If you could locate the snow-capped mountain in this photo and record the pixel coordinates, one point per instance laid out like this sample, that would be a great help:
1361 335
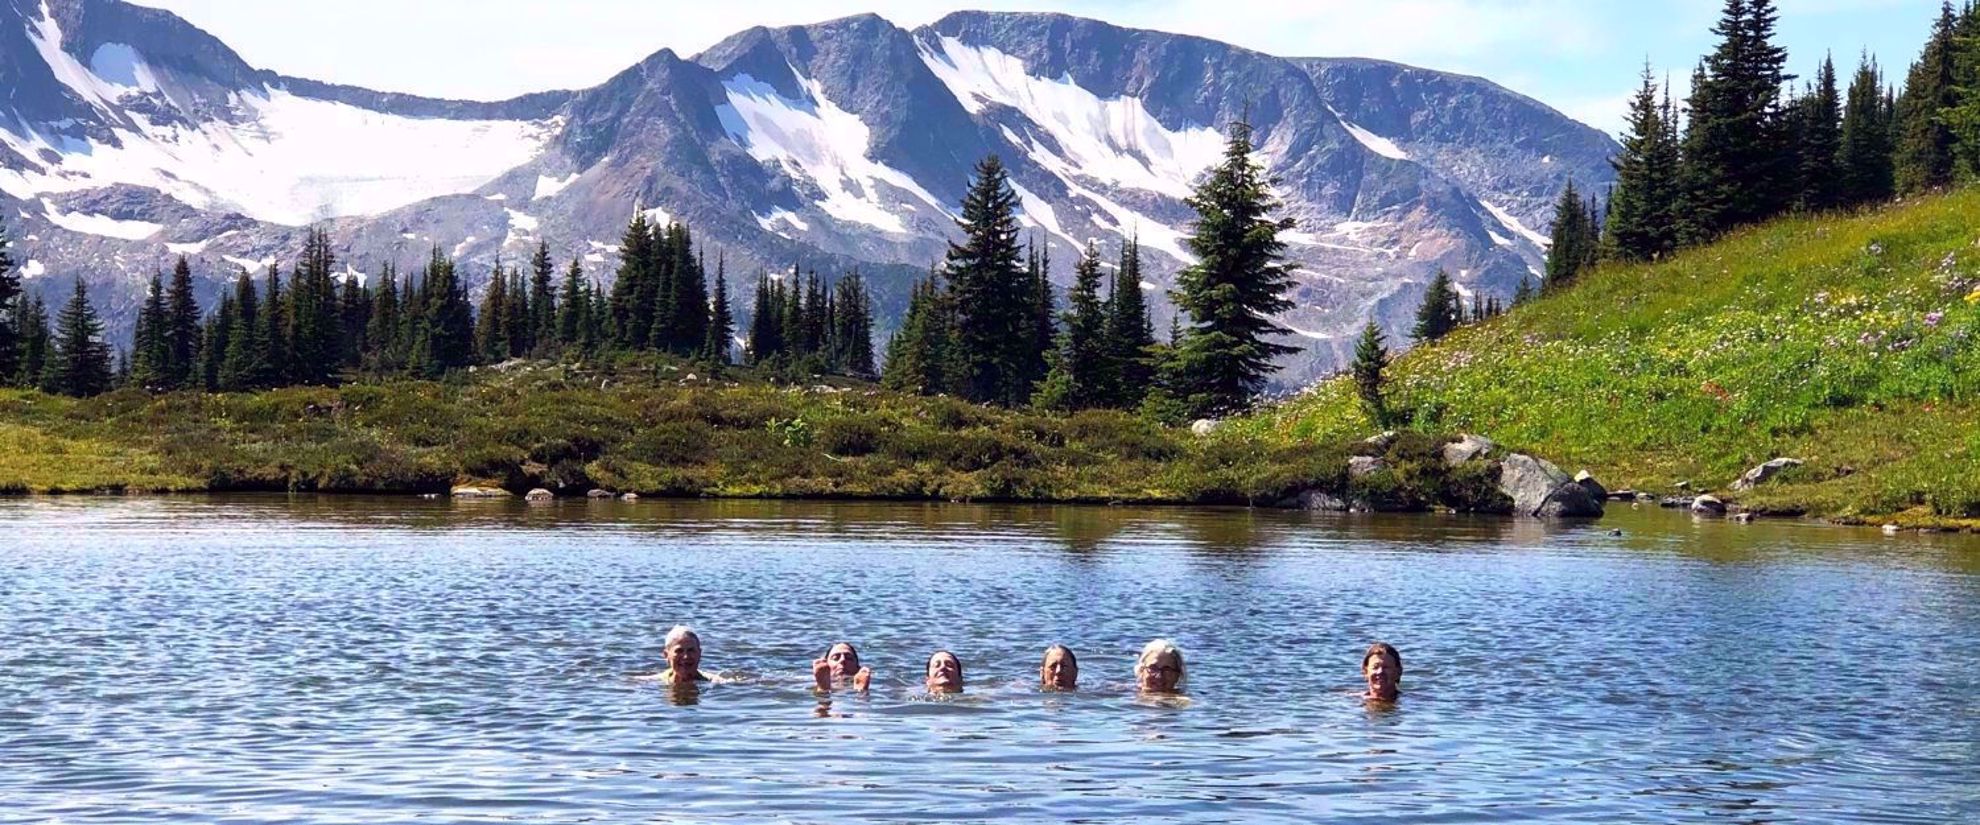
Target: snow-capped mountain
128 136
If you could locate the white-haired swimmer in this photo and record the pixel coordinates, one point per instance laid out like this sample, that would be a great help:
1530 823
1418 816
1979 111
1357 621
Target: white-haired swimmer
1160 667
683 650
1059 670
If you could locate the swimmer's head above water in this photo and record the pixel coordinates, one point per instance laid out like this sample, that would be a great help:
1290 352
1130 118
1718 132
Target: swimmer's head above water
1382 668
840 666
1160 667
1059 670
683 650
944 673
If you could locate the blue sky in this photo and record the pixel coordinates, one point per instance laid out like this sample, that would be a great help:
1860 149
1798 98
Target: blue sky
1580 57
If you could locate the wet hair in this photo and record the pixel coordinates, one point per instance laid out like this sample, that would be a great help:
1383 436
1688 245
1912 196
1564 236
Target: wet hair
1070 658
939 654
680 632
1156 649
1382 649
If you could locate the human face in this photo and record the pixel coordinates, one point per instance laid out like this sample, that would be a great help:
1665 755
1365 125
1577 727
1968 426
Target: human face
684 655
1059 671
1382 673
844 660
1161 674
944 672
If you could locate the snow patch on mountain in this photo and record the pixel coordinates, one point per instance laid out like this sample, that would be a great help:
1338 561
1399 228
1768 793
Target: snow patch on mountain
33 269
1507 220
1114 140
46 35
548 187
100 225
1376 143
814 139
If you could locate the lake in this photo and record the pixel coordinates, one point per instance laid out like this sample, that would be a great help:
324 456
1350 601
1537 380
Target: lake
364 660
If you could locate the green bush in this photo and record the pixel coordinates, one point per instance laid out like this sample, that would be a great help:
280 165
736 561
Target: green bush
852 436
671 443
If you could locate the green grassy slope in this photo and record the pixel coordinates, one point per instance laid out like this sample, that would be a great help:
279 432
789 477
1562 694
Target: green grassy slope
1850 342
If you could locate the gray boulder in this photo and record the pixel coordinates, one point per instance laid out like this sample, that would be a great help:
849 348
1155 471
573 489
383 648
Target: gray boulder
1362 465
1383 440
540 495
1538 488
1467 448
1595 488
1708 505
1205 426
478 492
599 494
1317 500
1765 472
629 497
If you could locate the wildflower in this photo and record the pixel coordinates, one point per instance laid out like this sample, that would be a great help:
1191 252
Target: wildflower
1932 319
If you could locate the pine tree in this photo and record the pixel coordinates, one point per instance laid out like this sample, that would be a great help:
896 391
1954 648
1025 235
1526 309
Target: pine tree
1963 119
275 342
920 356
315 335
1081 373
766 322
384 350
183 333
1130 333
1441 311
574 307
149 347
721 321
1924 152
31 319
993 300
633 291
491 337
353 322
214 340
852 327
1643 205
1574 240
11 317
1819 129
245 364
1371 357
80 360
1044 313
543 320
1866 170
1238 284
687 318
444 338
1524 293
1737 165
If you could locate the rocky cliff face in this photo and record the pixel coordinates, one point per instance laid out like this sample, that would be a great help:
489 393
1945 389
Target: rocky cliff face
127 137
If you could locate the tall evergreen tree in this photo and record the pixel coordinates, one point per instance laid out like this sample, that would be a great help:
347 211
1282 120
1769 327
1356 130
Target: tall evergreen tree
1738 168
80 360
1819 142
183 333
275 341
1643 205
852 327
1130 333
1371 358
491 337
574 307
1924 152
384 329
1081 374
10 311
354 305
444 338
920 357
213 343
245 364
687 318
543 320
517 316
993 300
766 321
721 320
1238 284
634 290
31 319
149 347
1044 312
1963 119
1441 311
1866 170
1574 240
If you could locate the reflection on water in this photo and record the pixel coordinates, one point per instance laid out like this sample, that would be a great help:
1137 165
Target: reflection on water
363 660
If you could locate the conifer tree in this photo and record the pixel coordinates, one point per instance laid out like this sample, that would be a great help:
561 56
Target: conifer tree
31 320
1963 119
1737 165
1371 358
1238 284
245 364
354 305
275 341
633 292
687 319
1130 333
491 337
1924 152
1441 311
1044 313
315 334
214 340
920 357
1080 376
1574 240
853 327
766 321
10 311
721 321
1819 129
183 332
149 348
444 339
384 347
79 362
1866 170
1524 293
543 320
573 307
993 300
1643 205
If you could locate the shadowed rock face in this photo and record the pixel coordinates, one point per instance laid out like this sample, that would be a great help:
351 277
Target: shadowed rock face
837 145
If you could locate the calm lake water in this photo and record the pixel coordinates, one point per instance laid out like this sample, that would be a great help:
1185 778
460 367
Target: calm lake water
374 660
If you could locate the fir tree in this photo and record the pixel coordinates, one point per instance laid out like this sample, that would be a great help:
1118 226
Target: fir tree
275 342
573 307
1441 311
1866 170
1371 357
721 321
1130 333
1643 205
1081 373
384 347
10 311
1737 165
1963 119
1924 152
687 320
79 363
633 291
1819 129
316 333
853 327
1044 311
920 356
993 300
543 320
1524 293
1238 284
183 332
354 305
491 337
1574 240
766 321
31 320
149 347
213 343
245 364
444 338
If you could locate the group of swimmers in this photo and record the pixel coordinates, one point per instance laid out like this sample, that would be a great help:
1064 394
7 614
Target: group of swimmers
1158 670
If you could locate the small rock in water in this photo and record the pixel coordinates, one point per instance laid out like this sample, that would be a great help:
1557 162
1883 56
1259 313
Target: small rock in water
600 494
1742 518
1616 532
479 492
629 497
1594 488
539 495
1890 529
1708 506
